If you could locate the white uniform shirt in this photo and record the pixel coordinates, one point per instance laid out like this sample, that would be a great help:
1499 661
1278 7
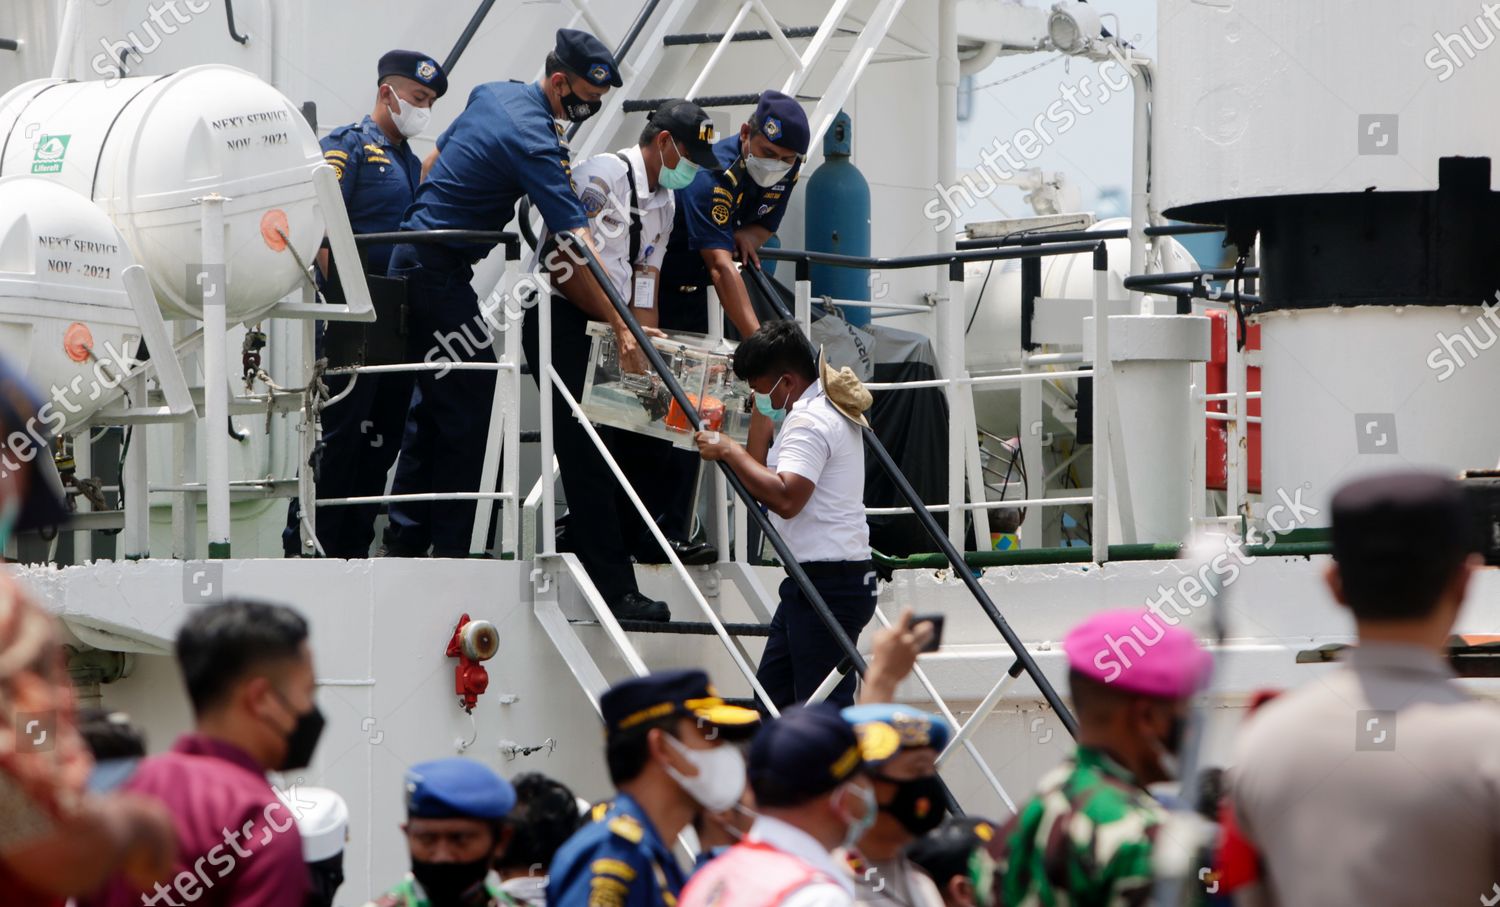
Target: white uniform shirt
818 443
604 189
792 840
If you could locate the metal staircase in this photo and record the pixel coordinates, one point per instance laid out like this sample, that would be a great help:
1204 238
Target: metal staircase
663 26
568 606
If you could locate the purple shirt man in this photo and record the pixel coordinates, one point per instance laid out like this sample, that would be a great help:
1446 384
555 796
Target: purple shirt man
249 675
238 842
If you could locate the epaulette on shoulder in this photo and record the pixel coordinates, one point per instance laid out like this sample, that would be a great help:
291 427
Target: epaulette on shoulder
627 827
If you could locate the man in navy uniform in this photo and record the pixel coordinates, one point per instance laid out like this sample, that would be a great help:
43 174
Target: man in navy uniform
726 215
455 828
378 174
730 213
670 747
506 144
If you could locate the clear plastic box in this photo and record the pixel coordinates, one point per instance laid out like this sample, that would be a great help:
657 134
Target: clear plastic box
641 402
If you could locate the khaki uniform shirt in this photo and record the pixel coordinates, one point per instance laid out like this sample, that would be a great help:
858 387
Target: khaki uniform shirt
1376 784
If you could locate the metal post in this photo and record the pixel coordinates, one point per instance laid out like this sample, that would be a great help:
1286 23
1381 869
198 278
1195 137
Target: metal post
542 368
950 323
1030 450
83 468
1100 516
308 435
213 281
185 468
136 538
950 350
802 298
510 464
722 502
1234 362
67 39
1141 72
496 309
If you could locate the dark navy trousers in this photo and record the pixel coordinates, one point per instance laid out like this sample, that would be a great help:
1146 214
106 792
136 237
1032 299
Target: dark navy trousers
603 528
801 652
443 444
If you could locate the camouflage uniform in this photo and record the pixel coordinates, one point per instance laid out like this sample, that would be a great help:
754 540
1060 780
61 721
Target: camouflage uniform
1058 852
409 894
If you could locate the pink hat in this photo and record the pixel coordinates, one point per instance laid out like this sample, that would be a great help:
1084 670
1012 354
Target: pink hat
1139 651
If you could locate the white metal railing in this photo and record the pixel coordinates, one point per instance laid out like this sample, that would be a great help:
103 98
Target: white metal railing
965 470
502 441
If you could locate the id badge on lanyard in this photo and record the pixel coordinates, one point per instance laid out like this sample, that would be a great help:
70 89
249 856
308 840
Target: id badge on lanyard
643 285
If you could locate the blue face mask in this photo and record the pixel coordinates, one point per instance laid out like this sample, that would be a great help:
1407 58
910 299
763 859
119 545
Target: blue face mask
765 408
679 177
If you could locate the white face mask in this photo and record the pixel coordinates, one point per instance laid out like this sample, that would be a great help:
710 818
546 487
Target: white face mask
766 171
858 826
721 774
410 119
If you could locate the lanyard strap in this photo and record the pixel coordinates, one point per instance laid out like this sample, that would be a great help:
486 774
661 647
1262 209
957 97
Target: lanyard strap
635 210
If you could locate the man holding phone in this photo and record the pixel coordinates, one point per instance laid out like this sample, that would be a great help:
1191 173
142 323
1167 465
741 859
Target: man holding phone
812 480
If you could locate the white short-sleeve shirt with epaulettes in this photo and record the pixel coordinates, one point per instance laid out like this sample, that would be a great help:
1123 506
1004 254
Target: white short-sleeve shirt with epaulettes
818 443
603 185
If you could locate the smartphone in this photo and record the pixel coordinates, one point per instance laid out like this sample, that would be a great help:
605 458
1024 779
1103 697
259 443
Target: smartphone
937 629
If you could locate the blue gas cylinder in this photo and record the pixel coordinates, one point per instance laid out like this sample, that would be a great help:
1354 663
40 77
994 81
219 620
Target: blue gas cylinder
838 220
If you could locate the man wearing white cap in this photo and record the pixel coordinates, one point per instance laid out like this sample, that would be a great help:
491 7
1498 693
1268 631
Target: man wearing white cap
323 821
813 482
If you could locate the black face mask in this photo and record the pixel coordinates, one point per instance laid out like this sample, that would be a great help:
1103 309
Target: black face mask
576 109
452 884
1175 732
303 739
919 804
327 875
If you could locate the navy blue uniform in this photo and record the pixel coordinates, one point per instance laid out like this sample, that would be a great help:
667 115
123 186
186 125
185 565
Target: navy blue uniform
617 860
361 432
708 212
503 146
378 179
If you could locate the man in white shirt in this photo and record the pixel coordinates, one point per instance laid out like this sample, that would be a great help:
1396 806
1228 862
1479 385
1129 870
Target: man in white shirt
627 196
812 480
806 769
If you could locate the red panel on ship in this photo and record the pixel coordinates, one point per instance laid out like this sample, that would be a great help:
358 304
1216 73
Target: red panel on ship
1218 432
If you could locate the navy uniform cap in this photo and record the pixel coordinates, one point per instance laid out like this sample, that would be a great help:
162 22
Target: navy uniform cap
781 119
586 56
886 729
807 752
639 700
457 788
1384 519
21 414
417 67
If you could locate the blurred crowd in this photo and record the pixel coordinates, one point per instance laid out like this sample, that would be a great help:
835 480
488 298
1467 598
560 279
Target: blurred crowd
1375 783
